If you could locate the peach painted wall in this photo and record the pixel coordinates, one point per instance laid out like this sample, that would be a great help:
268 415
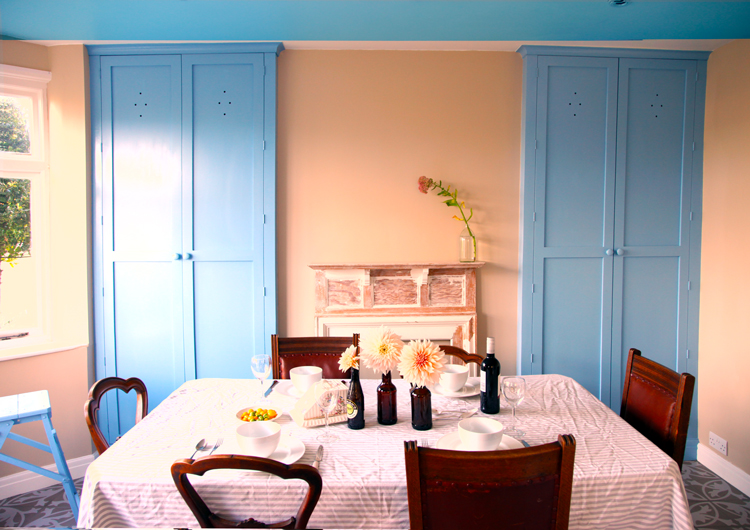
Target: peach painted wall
356 129
723 392
64 376
65 373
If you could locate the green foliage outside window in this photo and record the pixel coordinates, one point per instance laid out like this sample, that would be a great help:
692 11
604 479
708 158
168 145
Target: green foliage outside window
14 131
15 194
15 219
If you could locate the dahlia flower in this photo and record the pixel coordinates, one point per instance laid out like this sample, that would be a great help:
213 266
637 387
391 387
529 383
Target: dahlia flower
349 359
380 349
421 363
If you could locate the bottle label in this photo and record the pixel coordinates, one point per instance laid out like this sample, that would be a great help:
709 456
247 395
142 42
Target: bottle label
483 382
351 409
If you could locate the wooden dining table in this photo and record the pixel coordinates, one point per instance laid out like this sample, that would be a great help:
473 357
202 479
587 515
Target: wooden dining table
621 480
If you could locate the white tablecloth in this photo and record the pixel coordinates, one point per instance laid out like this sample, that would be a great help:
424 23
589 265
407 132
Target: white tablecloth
621 480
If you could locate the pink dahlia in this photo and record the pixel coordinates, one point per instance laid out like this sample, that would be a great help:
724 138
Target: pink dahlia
421 363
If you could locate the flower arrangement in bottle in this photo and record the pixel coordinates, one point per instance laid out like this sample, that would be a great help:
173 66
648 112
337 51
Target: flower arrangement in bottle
425 185
380 351
355 398
421 364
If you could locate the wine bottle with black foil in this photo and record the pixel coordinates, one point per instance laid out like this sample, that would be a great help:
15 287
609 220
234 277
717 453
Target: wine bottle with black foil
489 380
355 403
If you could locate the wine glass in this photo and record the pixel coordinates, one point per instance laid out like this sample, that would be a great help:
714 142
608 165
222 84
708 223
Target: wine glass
260 364
514 389
326 397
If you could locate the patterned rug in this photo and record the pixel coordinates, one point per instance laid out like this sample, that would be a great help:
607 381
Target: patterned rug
714 503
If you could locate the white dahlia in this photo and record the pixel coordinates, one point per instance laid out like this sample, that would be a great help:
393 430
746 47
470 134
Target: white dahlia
380 349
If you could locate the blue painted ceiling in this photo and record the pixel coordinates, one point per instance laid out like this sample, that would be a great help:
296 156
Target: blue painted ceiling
371 20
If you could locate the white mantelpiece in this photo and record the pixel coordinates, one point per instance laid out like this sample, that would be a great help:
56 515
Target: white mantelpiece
435 301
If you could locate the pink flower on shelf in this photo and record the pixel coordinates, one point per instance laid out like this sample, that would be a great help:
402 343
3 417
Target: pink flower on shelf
421 363
425 184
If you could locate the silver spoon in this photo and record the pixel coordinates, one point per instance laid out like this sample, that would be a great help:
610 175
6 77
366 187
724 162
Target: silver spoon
200 446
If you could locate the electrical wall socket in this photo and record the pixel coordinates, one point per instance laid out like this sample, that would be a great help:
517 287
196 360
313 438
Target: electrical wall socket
717 442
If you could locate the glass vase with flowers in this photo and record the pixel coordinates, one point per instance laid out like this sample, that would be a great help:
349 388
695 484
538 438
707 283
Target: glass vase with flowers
467 240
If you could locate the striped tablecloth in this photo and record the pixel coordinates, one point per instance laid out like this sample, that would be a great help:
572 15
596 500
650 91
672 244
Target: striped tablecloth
621 480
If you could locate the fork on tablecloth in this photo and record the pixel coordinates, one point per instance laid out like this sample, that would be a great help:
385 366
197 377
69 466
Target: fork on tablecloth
217 444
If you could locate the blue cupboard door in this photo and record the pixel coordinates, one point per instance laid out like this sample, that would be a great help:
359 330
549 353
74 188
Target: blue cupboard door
223 212
652 213
573 219
141 233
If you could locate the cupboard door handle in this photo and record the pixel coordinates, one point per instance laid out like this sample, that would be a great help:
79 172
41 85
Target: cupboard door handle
620 252
177 257
188 256
608 252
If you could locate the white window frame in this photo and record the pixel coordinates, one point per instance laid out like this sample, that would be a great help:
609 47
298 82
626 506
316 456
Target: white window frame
30 83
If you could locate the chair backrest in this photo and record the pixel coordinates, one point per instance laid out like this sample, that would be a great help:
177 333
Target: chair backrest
518 488
462 354
310 351
656 401
98 389
207 519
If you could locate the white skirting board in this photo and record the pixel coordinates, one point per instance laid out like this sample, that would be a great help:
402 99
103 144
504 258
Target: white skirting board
729 472
27 481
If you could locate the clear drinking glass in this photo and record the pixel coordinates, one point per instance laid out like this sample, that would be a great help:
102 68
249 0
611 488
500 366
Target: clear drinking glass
327 400
260 364
514 389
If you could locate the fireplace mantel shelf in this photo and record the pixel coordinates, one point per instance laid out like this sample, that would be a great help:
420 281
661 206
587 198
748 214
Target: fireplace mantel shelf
449 265
423 300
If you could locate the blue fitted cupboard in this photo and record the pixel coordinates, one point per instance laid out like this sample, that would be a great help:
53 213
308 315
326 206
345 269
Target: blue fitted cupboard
184 212
611 213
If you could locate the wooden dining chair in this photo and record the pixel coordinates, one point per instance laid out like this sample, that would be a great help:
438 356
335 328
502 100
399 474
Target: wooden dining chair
98 389
181 469
656 401
526 488
462 354
324 352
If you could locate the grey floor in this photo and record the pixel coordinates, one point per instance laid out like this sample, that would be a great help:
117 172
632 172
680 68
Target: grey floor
714 503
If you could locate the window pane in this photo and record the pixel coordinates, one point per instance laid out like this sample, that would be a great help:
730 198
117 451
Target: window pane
15 115
17 269
15 219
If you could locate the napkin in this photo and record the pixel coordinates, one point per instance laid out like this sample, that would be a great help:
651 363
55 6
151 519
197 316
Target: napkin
307 413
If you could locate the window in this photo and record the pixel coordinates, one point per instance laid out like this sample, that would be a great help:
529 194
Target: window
23 200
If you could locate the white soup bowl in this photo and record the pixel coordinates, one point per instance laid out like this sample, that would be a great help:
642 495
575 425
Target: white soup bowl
259 438
480 434
303 377
454 377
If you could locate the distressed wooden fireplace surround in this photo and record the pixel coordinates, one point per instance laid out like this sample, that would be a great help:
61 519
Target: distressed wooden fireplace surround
435 301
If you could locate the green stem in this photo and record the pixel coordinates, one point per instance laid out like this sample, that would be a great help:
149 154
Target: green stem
463 215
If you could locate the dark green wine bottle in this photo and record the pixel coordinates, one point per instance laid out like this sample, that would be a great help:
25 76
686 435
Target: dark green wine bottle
489 381
355 403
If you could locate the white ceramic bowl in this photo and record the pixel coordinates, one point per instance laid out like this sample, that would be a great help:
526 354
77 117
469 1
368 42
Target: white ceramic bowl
259 438
303 377
454 377
480 434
